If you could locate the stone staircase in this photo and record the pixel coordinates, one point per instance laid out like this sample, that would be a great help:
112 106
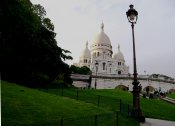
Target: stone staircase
170 100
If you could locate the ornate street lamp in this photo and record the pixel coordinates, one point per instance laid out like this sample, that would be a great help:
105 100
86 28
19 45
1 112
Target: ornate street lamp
96 65
132 16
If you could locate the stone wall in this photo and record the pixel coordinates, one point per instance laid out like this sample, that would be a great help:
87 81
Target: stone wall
112 82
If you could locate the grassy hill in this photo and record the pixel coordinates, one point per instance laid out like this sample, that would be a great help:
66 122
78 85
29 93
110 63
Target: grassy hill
152 108
22 106
172 95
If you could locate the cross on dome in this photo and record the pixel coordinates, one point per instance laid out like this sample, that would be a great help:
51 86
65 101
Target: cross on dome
118 47
87 44
102 26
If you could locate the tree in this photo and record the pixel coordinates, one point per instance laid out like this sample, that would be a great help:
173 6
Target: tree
40 11
80 70
29 51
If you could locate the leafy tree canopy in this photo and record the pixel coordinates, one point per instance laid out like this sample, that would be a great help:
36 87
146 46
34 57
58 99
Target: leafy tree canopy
80 70
29 52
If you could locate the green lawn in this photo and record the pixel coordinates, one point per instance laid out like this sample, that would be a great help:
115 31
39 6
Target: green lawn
158 109
172 95
22 106
109 99
152 108
102 98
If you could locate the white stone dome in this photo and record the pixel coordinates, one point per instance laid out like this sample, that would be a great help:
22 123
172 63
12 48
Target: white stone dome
86 52
119 54
102 37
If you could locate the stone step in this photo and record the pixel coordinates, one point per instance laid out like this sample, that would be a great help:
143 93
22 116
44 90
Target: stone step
170 98
167 100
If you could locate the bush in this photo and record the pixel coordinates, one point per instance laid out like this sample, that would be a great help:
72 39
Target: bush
39 80
151 96
80 70
144 96
57 84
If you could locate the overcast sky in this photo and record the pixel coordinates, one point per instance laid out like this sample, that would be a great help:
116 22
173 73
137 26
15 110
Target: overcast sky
78 21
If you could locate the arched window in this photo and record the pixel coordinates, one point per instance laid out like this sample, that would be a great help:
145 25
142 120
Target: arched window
119 72
104 64
98 53
85 60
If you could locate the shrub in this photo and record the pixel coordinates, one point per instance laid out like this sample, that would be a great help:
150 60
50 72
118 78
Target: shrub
144 96
151 96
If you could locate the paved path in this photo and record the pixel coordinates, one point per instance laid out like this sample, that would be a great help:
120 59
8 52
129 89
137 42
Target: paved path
157 122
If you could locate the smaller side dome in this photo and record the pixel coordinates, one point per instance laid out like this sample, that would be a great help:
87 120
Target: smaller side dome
119 54
86 52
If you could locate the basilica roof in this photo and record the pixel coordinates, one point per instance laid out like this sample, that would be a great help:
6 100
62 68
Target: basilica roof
86 52
119 54
102 37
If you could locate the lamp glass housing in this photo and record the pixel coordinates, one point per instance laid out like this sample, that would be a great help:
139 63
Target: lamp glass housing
132 17
132 14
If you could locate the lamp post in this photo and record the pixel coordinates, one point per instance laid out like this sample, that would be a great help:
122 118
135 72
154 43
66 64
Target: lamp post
96 65
132 16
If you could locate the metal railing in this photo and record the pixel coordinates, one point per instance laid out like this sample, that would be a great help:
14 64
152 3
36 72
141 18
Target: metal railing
108 119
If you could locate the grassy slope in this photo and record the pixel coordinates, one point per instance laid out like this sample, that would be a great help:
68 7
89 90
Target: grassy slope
172 95
21 106
158 109
90 96
20 103
152 108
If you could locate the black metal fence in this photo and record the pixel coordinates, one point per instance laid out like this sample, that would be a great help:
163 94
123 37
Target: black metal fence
110 103
119 107
109 119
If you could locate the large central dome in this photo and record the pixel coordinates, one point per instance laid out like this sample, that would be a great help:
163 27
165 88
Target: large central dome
102 37
101 44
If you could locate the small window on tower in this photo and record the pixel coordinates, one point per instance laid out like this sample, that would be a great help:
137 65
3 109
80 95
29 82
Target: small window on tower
104 66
